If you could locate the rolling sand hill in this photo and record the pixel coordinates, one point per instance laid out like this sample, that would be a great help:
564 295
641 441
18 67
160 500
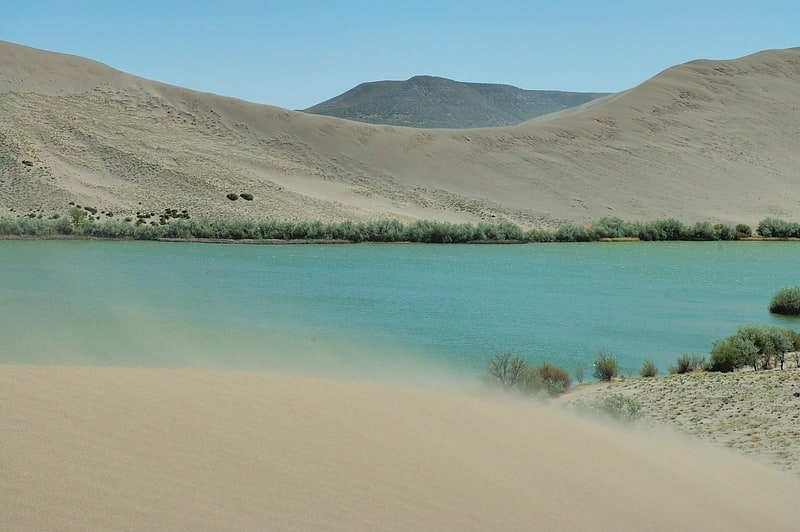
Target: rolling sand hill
150 449
706 140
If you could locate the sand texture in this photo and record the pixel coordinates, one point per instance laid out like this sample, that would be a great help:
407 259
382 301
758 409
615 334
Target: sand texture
754 413
707 140
136 449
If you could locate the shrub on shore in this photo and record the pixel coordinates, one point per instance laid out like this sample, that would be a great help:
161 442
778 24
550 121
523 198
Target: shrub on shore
758 346
620 407
786 301
513 372
605 365
687 363
648 369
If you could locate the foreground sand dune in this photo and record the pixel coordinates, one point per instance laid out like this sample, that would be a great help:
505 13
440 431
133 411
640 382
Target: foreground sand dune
104 448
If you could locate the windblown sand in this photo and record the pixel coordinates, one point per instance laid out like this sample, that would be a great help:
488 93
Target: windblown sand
110 448
754 413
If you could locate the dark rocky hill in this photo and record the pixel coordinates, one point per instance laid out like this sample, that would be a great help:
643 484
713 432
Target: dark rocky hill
433 102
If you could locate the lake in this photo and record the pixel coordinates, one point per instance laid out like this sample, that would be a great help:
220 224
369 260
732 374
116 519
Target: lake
386 310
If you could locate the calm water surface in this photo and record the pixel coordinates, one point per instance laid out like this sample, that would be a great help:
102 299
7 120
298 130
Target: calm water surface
302 306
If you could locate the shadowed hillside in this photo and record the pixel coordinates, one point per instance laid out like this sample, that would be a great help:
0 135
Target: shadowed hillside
706 140
432 102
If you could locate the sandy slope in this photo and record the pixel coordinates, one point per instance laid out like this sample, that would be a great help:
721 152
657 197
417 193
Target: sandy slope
755 413
100 448
705 140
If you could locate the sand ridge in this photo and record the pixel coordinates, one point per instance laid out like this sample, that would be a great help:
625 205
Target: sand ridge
117 448
690 143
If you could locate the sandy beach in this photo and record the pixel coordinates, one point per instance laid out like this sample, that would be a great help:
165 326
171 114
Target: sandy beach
755 413
111 448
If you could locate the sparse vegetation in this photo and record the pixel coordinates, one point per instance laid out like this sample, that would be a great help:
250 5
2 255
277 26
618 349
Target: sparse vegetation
513 372
246 196
579 374
786 301
232 196
648 369
507 370
555 380
620 407
687 363
605 365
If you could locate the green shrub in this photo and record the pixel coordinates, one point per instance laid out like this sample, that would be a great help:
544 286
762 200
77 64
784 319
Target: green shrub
743 231
775 228
648 369
620 407
786 301
687 363
554 380
513 372
246 196
754 345
579 376
605 365
728 354
232 196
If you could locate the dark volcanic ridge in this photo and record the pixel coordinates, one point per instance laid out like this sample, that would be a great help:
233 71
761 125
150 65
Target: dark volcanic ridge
434 102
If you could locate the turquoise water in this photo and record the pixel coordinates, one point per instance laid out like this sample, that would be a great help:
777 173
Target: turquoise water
383 307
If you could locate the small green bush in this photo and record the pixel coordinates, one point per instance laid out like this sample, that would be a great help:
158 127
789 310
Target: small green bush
605 365
579 376
687 363
620 407
648 369
246 196
554 380
513 372
743 231
232 196
786 301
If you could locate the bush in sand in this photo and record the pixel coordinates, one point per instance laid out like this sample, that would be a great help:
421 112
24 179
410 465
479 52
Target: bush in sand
687 363
649 369
758 346
513 372
605 365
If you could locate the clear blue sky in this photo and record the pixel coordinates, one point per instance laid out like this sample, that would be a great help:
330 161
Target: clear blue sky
298 53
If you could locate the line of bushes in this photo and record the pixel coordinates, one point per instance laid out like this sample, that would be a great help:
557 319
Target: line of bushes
180 226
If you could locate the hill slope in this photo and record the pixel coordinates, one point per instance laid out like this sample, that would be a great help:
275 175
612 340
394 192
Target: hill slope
433 102
705 140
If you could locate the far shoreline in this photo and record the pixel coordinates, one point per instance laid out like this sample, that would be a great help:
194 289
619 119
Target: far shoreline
82 224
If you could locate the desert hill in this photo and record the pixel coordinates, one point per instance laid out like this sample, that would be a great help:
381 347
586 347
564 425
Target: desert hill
434 102
705 140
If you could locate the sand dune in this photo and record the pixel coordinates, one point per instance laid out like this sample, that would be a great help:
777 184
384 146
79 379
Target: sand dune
103 448
706 140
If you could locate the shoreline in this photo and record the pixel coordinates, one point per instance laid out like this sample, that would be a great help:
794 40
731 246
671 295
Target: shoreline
323 241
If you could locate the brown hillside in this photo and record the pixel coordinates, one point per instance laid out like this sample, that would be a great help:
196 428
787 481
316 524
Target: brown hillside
705 140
